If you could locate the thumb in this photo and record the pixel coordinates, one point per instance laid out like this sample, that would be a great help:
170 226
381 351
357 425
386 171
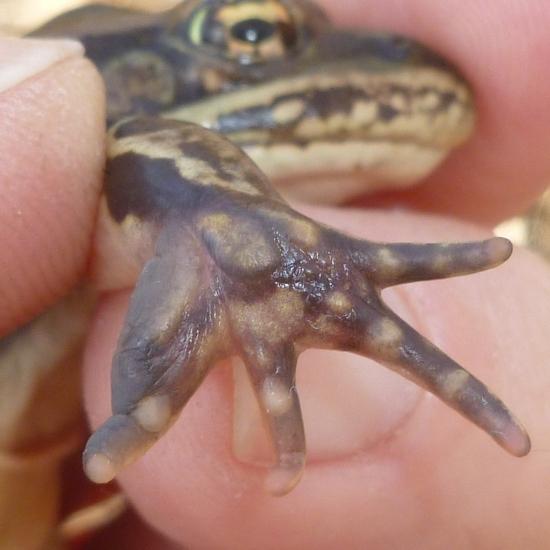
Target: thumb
51 161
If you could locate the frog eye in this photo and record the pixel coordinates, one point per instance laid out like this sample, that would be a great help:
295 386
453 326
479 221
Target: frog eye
248 31
253 31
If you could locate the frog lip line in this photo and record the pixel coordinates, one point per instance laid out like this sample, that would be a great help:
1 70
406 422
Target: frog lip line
426 108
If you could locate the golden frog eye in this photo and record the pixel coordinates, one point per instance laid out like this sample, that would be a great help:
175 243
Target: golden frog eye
249 31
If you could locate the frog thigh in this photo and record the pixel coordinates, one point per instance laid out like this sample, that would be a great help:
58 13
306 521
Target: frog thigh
120 249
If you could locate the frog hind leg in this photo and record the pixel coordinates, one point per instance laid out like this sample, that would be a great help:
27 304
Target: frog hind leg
237 271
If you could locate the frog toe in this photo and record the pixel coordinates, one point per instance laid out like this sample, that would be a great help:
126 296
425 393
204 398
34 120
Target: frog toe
351 315
172 331
389 340
399 263
271 370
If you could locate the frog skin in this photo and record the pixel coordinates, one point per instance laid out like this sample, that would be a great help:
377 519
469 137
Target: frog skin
228 268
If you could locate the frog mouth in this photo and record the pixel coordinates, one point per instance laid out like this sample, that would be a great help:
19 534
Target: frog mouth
384 129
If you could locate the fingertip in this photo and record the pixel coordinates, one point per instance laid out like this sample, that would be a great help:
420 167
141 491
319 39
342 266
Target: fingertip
21 60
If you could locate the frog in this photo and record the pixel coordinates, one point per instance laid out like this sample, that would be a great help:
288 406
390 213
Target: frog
218 111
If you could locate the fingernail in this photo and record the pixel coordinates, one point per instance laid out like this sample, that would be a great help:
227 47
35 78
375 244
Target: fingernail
350 404
21 59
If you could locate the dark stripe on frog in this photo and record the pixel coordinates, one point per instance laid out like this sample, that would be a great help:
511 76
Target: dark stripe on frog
152 128
194 142
322 104
147 188
151 189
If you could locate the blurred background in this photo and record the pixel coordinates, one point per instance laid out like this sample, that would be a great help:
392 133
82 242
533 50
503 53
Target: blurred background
19 16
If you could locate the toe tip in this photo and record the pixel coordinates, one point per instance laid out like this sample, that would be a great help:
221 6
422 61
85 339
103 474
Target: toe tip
99 468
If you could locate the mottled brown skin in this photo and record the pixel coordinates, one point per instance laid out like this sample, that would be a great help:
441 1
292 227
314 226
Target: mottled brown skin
153 65
236 271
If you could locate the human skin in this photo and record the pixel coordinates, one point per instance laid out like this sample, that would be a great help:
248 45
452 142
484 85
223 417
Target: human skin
424 477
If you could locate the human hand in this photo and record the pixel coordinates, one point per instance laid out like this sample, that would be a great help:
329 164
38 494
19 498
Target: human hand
392 479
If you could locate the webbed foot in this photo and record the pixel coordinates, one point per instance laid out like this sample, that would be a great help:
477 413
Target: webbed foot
238 272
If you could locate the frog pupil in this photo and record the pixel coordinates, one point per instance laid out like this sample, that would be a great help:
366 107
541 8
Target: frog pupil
253 31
